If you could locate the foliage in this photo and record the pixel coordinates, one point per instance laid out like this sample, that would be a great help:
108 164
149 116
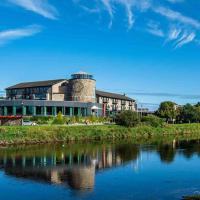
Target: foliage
40 119
189 113
59 119
168 111
127 118
152 120
52 134
181 114
48 120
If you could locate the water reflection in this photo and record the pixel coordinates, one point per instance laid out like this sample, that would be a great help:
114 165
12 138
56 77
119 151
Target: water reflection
75 166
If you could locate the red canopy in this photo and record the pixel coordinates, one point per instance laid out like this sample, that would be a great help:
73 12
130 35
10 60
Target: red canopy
10 117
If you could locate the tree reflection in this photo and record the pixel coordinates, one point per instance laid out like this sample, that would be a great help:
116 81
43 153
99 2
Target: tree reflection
167 153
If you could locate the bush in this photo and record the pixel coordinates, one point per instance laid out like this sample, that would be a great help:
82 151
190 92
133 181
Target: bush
40 119
128 119
59 119
153 121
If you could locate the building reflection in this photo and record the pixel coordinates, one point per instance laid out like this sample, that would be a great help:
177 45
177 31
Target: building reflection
69 169
76 166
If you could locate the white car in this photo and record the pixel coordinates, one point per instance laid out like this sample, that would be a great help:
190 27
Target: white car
28 123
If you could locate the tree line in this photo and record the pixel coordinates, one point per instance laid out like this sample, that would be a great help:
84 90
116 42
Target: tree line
174 113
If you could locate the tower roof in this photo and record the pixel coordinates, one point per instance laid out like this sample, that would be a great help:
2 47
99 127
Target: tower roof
82 75
81 72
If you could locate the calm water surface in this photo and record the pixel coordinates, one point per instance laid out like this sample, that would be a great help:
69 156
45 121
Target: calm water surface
100 171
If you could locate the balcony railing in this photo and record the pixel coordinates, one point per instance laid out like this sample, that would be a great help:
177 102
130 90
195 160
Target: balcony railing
105 100
123 102
115 101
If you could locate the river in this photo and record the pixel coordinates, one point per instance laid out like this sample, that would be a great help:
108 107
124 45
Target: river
96 171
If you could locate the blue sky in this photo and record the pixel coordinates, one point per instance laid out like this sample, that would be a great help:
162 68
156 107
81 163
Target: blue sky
148 49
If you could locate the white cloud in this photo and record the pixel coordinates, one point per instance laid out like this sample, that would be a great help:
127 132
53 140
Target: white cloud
154 29
176 16
41 7
129 12
174 33
180 35
109 8
185 39
177 27
129 5
14 34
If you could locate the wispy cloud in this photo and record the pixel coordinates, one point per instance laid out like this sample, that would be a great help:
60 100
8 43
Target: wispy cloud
129 12
129 6
109 8
14 34
41 7
180 36
154 29
187 38
176 16
178 29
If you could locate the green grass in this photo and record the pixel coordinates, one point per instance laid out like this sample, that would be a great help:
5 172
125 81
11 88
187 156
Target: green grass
48 134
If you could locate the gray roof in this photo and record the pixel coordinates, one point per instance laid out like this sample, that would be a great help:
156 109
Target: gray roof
53 82
113 95
35 84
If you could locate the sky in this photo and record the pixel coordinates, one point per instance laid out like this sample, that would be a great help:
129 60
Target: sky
147 49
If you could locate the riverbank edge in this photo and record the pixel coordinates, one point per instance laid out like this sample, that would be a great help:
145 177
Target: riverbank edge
14 135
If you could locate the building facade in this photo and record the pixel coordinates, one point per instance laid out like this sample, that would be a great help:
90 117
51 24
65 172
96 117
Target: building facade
74 97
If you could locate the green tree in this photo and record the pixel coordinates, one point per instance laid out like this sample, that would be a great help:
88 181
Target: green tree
197 109
127 118
198 104
168 110
190 113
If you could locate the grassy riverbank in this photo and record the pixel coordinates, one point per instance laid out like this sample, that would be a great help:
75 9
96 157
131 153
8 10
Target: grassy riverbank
48 134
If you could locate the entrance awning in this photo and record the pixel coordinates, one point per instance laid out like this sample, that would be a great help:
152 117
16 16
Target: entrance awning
95 108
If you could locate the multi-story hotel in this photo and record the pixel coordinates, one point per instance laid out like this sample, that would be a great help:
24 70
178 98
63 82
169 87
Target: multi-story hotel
74 97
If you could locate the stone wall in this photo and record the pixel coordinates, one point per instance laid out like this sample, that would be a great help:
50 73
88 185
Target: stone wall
82 90
59 91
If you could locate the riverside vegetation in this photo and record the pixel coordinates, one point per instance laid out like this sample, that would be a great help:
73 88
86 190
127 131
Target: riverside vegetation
140 134
129 125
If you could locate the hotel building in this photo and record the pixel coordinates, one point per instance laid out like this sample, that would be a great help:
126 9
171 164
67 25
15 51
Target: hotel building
76 96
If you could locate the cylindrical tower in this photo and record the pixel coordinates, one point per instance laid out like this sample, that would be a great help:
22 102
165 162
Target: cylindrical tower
82 87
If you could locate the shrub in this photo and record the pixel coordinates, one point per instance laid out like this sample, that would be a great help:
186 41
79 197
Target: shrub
40 119
153 121
59 119
127 118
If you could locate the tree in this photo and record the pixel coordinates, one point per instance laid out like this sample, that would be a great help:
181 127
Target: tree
168 110
127 118
198 104
190 113
197 109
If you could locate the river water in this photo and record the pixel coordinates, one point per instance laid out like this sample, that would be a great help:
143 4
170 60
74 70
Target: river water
97 171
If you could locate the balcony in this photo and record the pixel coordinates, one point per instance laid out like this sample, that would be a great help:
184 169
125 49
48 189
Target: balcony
105 100
123 103
115 101
130 103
